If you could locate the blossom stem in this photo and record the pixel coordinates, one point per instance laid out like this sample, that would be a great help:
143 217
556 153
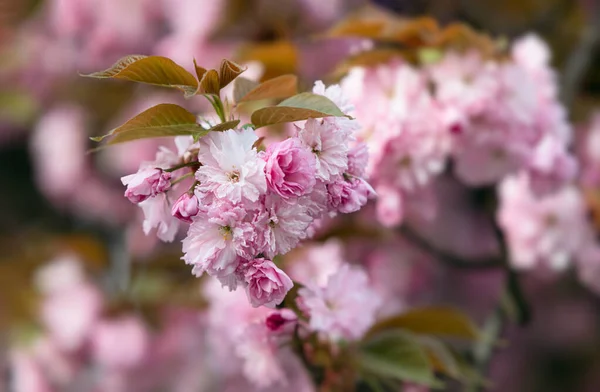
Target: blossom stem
178 180
217 104
181 166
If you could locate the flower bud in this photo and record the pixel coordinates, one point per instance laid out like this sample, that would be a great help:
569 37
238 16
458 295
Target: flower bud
186 207
146 183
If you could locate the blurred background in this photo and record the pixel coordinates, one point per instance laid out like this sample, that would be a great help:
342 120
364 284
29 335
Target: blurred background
63 207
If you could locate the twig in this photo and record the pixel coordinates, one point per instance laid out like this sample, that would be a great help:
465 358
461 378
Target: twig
448 258
580 59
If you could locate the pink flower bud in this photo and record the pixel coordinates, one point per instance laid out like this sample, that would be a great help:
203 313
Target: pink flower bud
266 284
146 183
283 320
186 207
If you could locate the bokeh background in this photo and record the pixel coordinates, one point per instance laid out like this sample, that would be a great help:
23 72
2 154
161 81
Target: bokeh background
57 200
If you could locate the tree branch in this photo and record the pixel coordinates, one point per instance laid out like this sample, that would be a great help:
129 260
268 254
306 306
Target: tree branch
446 257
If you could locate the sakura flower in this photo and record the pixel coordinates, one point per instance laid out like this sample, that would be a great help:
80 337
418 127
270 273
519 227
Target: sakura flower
260 354
231 168
348 194
186 207
70 314
215 240
390 206
121 343
290 168
146 183
545 231
335 93
328 145
409 161
157 213
343 309
465 82
265 283
58 151
282 226
550 166
315 262
486 160
358 157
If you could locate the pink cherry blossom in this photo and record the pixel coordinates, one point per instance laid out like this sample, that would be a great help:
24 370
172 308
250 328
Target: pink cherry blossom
358 158
261 357
186 207
546 231
214 240
344 125
313 263
281 226
121 343
146 183
343 309
157 215
390 206
290 168
231 168
348 194
465 82
328 145
266 284
487 159
70 314
550 166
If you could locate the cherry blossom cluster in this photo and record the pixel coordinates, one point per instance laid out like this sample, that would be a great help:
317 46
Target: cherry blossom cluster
246 206
228 345
489 121
81 346
491 118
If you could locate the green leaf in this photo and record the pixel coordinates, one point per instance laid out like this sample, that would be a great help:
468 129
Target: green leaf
156 70
228 71
468 373
225 126
299 107
441 357
280 87
159 121
396 354
438 321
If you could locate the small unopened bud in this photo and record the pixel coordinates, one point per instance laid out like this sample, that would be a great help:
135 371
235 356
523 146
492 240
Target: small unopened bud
146 183
283 320
186 207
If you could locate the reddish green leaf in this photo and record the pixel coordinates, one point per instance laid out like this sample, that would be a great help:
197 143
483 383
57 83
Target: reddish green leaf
299 107
440 321
280 87
158 121
225 126
228 71
210 83
156 70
